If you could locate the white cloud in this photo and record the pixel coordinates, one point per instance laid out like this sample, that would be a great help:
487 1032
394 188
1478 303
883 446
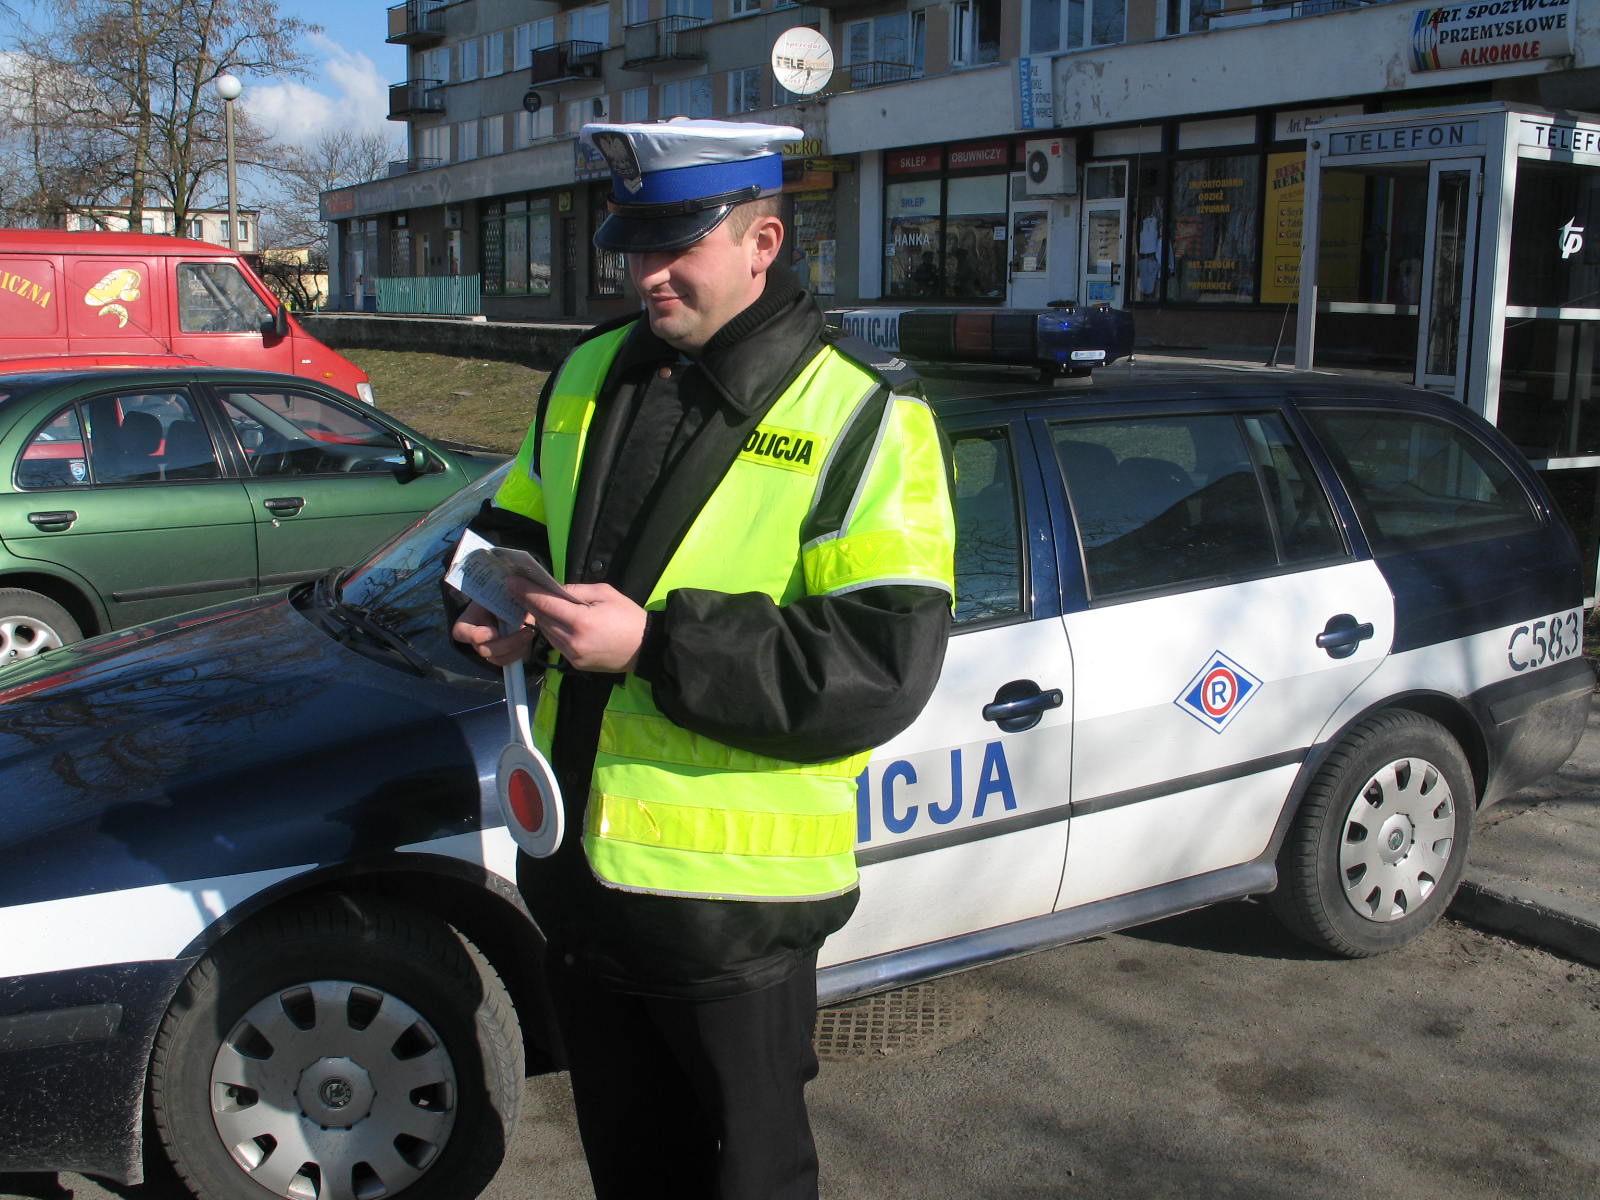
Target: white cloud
345 91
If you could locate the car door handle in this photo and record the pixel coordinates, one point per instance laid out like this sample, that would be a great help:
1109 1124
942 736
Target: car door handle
1342 634
1018 705
61 518
288 505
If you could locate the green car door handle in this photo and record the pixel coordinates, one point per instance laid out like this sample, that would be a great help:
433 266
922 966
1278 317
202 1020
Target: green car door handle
53 522
286 505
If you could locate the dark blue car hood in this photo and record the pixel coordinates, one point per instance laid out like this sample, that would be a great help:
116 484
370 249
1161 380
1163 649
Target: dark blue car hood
240 738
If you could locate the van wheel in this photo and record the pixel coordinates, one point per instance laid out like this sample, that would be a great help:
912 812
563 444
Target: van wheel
30 624
348 1048
1379 845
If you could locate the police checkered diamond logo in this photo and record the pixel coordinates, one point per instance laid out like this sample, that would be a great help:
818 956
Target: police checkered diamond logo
1215 695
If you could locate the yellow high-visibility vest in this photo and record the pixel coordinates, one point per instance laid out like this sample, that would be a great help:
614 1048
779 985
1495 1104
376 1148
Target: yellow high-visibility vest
673 812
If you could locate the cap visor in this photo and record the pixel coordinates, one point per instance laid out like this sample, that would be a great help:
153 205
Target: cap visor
645 235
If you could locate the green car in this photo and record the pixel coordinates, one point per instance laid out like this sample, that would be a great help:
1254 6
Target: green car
131 494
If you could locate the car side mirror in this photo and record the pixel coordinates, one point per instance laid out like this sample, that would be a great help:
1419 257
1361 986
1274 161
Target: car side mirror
414 461
280 322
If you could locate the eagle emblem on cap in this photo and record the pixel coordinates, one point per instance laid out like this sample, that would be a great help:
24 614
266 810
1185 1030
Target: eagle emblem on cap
620 157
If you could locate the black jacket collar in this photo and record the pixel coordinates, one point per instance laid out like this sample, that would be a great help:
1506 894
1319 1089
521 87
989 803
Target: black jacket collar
751 359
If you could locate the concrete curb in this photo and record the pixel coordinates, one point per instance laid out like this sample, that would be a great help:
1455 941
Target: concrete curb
1527 913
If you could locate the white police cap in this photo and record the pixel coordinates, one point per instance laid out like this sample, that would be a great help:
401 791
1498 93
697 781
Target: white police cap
674 181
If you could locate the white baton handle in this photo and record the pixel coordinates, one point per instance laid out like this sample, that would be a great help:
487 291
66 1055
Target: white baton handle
530 797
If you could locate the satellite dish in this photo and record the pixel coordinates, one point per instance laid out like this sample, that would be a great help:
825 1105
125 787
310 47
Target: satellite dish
532 101
802 60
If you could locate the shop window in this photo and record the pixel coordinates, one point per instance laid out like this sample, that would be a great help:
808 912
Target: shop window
608 271
816 226
975 237
517 248
1215 229
915 245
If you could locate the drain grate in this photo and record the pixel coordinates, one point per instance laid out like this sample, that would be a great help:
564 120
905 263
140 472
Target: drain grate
909 1022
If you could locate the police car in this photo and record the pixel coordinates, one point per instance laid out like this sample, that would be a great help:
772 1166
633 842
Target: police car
1215 636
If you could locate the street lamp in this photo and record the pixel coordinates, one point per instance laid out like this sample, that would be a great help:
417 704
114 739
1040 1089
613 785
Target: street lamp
229 87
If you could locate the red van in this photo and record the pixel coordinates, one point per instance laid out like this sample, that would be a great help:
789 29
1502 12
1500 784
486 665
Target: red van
111 296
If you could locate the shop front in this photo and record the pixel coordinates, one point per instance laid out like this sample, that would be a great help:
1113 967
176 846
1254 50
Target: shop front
1457 249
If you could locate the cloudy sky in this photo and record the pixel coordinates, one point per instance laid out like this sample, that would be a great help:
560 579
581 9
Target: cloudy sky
353 69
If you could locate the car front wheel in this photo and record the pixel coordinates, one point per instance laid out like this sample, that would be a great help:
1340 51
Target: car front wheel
342 1050
1380 842
30 624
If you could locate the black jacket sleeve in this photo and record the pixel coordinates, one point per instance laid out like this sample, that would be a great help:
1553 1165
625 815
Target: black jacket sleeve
817 679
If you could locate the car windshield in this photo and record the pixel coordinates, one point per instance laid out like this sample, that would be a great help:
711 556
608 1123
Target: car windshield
400 586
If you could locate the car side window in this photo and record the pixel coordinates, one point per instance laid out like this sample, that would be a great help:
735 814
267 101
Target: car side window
989 571
56 455
299 433
126 437
214 297
1421 481
1188 501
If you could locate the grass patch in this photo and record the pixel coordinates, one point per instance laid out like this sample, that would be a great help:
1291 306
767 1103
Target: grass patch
482 402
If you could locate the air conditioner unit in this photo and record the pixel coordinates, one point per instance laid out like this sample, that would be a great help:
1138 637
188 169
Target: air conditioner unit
1051 167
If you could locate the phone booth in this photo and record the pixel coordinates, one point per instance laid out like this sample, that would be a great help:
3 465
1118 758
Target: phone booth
1458 249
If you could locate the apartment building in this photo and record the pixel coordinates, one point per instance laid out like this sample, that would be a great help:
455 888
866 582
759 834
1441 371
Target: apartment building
1133 152
201 225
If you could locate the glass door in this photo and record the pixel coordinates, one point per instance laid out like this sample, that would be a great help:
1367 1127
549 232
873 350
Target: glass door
1105 232
1447 274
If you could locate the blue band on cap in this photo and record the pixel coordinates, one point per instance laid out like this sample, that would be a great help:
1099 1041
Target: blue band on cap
704 179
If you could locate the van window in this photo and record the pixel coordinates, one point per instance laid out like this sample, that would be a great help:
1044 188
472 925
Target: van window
215 297
1420 481
1165 502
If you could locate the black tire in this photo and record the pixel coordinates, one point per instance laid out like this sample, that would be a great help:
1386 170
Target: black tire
1379 845
337 1049
30 624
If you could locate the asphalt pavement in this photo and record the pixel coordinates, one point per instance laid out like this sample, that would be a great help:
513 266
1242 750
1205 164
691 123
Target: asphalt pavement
1534 870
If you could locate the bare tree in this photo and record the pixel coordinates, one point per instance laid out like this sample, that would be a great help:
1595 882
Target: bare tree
294 238
113 101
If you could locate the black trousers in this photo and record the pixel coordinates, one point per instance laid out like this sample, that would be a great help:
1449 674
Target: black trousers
698 1099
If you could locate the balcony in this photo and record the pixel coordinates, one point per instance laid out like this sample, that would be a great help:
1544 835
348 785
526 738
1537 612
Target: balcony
873 74
671 39
564 61
417 23
415 97
407 166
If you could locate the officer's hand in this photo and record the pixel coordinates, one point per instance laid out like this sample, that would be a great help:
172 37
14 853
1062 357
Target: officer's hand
602 634
480 628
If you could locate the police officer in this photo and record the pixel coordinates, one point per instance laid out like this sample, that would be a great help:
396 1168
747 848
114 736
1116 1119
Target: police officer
757 527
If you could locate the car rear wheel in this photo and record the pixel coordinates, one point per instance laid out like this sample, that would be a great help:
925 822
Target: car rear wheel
1379 845
30 624
342 1050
